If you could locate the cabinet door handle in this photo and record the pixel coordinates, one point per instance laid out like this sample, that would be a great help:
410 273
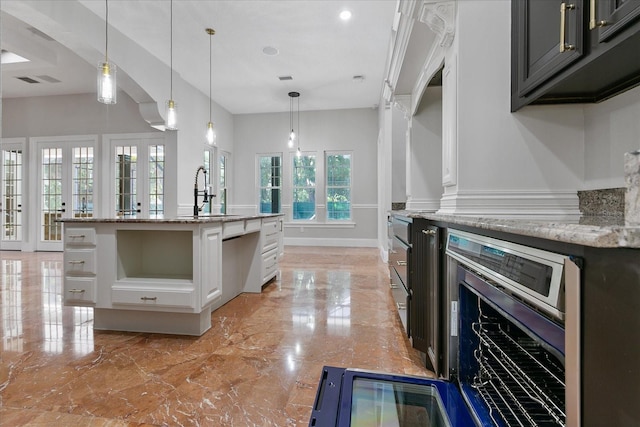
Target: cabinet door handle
402 263
563 8
76 291
76 262
593 21
148 298
429 232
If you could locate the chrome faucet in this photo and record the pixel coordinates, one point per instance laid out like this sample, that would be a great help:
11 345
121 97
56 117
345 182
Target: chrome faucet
205 193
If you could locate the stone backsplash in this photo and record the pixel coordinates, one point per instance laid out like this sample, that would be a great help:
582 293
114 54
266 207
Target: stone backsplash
603 202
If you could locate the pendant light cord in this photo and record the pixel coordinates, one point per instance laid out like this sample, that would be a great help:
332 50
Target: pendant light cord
171 55
106 31
210 79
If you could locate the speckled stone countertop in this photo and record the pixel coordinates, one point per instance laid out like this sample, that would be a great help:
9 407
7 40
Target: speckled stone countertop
594 231
185 219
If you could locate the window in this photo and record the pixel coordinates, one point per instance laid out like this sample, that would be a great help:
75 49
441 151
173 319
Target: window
304 187
208 166
222 191
338 186
156 180
126 189
270 173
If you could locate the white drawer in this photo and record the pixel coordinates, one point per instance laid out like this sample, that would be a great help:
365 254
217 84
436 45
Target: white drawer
232 229
79 236
270 226
269 264
253 225
80 290
270 246
149 298
79 262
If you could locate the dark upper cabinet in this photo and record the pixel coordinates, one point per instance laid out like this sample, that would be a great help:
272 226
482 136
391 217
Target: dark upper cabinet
573 51
608 17
537 39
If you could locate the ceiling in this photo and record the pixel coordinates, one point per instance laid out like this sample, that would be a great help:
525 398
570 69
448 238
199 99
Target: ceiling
321 52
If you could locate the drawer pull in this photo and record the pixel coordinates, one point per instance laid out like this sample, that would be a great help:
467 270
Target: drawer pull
77 291
148 298
429 232
393 286
77 236
402 263
593 21
401 305
76 262
563 45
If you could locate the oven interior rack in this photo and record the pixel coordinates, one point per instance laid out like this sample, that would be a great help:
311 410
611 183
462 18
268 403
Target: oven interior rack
518 380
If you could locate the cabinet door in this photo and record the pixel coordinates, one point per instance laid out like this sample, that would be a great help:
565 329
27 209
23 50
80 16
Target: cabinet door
538 29
608 17
425 307
211 266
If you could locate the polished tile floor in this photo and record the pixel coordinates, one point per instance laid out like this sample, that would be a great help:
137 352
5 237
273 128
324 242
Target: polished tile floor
258 365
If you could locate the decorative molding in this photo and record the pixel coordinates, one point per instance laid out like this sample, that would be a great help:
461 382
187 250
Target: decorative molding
553 205
405 18
403 104
450 123
440 18
150 113
423 205
341 242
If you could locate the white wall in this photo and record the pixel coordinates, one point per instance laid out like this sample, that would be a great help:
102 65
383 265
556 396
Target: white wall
612 128
528 163
425 160
355 130
398 156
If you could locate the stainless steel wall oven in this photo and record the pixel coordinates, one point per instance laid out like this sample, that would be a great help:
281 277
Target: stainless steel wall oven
517 311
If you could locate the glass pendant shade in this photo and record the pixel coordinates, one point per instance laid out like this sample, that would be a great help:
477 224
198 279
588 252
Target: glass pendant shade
172 115
107 83
211 134
290 142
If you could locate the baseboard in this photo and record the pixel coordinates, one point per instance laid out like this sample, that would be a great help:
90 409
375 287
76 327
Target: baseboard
340 242
554 205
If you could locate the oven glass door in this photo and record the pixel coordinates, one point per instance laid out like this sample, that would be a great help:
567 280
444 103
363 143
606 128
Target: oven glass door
372 399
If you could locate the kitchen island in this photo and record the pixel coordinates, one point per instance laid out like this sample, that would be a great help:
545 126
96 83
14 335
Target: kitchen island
166 275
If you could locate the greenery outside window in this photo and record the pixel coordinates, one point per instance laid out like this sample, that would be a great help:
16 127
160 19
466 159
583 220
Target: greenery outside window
270 173
304 187
338 185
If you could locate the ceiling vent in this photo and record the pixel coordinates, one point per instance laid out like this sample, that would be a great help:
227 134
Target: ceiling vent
48 79
283 78
27 79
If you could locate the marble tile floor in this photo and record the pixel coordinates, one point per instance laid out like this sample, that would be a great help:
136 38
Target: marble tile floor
258 365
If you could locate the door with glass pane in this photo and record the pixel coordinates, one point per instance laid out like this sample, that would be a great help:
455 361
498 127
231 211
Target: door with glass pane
66 183
11 193
138 166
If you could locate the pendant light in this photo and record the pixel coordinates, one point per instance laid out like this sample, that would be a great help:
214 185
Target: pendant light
172 114
293 138
211 133
107 89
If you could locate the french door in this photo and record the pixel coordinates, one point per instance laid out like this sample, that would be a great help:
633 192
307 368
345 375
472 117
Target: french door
65 186
11 194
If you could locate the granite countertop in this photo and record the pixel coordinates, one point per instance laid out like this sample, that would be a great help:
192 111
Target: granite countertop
594 231
180 219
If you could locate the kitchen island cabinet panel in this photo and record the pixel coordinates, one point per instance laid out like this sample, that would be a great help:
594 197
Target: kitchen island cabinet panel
166 276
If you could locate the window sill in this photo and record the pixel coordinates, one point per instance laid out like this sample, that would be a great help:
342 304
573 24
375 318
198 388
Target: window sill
317 224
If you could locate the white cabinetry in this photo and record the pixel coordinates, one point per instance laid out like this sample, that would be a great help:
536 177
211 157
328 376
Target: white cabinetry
165 276
270 247
80 266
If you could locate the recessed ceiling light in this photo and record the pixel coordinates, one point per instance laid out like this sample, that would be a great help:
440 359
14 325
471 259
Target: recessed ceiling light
345 15
270 50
